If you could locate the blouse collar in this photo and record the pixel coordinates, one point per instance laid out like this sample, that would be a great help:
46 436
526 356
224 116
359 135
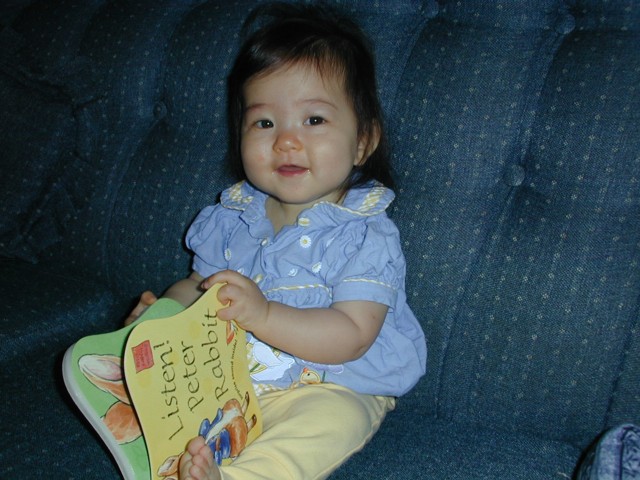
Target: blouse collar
371 199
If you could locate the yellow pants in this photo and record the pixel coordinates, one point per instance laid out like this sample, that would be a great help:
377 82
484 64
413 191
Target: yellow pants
308 432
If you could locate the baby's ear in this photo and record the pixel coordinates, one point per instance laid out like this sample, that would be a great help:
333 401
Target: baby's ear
368 144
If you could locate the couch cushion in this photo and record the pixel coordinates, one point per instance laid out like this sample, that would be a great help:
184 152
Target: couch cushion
411 445
382 21
42 314
43 434
38 134
178 166
49 311
552 305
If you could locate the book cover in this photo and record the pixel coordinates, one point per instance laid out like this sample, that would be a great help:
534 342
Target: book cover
188 375
94 374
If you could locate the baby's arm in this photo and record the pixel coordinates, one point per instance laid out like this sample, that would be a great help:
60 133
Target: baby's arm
338 334
187 290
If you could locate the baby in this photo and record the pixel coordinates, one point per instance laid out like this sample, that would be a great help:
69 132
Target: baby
311 264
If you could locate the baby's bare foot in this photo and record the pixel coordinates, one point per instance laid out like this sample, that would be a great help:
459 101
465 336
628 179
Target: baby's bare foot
146 300
197 462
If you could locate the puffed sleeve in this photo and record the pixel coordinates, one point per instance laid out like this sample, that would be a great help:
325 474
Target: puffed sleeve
373 265
207 239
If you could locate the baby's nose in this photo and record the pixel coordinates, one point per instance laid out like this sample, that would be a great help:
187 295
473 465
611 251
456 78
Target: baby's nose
286 141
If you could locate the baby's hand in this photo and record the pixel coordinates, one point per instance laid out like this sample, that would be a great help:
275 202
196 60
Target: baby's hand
245 302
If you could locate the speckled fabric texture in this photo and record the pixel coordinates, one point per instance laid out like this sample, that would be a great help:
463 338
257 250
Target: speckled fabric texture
514 128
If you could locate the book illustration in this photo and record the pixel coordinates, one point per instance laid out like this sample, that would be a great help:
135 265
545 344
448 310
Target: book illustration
228 432
267 363
204 388
226 435
105 372
93 375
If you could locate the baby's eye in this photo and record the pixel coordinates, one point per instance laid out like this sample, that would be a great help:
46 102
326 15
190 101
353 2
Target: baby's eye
264 124
315 121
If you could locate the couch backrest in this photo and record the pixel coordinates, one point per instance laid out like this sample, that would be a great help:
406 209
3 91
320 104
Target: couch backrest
43 84
518 143
514 128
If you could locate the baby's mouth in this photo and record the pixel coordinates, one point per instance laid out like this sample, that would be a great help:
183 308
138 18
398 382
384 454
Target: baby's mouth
291 170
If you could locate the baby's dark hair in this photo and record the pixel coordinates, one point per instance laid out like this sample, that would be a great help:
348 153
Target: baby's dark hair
283 34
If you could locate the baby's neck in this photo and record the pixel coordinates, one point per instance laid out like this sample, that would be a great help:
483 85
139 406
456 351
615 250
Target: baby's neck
281 214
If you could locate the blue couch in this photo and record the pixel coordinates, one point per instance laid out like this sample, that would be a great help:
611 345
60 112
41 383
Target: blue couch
515 130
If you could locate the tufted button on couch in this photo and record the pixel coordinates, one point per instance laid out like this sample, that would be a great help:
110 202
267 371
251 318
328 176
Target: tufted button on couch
515 132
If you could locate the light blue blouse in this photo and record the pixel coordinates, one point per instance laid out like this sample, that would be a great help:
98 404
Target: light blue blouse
333 253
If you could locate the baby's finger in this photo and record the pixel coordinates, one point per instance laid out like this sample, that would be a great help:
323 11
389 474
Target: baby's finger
225 276
223 297
226 314
209 282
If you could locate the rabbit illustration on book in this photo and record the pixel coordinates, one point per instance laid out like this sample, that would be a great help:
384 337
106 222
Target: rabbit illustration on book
105 372
226 435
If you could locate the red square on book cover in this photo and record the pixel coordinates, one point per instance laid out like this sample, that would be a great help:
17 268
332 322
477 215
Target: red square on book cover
142 356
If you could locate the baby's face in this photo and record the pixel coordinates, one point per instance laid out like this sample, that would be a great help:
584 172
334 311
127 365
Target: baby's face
299 136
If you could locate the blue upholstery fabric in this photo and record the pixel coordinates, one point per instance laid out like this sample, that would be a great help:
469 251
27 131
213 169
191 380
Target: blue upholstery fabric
189 107
469 173
41 435
43 313
43 84
65 307
30 186
407 446
126 46
515 135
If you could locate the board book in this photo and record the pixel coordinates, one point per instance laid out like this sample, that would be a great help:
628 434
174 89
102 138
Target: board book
173 374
